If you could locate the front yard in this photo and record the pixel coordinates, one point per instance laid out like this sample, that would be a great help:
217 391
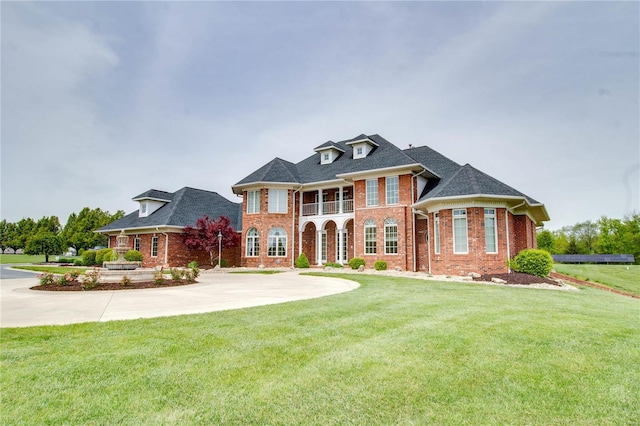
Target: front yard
395 351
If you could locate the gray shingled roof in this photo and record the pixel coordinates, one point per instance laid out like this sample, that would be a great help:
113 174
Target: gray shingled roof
187 205
310 170
154 194
328 145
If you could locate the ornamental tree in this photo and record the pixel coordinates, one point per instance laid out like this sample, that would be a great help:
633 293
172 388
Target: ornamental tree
204 236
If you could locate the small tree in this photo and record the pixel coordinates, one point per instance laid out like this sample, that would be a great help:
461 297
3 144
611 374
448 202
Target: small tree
302 261
204 236
44 242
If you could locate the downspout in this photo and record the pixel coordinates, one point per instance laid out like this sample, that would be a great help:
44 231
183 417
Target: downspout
293 226
506 216
413 227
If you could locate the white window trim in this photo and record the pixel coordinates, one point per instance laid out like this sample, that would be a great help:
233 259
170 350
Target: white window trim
466 229
367 224
366 190
495 229
397 190
256 238
156 240
397 240
286 201
252 205
277 238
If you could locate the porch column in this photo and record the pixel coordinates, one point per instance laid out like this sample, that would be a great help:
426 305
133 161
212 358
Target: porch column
320 201
319 248
341 239
340 198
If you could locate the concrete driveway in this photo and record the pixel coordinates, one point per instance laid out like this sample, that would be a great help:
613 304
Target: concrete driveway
21 307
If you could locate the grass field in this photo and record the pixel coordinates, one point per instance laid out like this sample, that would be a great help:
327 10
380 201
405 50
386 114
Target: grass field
53 269
20 258
395 351
621 277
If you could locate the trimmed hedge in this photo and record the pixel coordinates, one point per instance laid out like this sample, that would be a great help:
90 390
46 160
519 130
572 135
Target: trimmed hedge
103 255
302 261
356 262
380 265
534 262
133 256
89 257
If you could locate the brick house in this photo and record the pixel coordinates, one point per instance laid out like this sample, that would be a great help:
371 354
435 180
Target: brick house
365 197
156 228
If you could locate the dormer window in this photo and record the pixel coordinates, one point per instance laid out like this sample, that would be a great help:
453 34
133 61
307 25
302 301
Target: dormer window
143 209
362 147
329 152
151 201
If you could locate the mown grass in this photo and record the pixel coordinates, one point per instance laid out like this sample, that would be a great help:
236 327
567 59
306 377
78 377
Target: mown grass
395 351
263 272
621 277
20 258
53 269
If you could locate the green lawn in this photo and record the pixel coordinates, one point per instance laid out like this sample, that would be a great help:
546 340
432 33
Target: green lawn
52 269
621 277
21 258
395 351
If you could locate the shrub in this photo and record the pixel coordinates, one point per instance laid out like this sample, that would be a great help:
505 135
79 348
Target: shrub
302 261
125 281
103 255
380 265
90 279
78 262
65 279
534 262
223 263
176 274
333 265
188 276
89 257
158 277
356 262
74 274
65 260
46 278
193 266
133 256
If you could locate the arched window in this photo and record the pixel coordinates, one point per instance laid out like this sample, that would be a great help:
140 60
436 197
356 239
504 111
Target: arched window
253 243
277 242
390 236
370 237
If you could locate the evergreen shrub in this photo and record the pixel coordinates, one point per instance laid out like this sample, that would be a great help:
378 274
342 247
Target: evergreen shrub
534 262
380 265
302 261
356 262
133 256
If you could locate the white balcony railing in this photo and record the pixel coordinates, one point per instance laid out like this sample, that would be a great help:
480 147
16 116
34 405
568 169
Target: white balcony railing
328 207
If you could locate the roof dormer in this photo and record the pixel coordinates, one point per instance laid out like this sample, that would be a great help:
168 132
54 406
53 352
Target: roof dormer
362 147
151 201
329 152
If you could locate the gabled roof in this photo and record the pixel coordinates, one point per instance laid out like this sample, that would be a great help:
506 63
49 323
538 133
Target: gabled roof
184 208
154 194
328 145
383 155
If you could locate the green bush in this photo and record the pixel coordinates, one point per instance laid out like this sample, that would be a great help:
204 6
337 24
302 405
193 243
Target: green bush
65 260
380 265
176 274
534 262
195 271
302 261
223 263
103 255
133 256
333 265
89 257
78 262
46 279
356 262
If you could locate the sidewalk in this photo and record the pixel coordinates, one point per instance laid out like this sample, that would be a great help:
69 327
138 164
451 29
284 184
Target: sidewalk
21 307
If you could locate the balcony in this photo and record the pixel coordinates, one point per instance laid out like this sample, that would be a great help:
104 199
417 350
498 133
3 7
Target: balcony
328 207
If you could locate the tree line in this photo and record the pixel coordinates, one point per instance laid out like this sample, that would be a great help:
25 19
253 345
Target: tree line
605 236
46 236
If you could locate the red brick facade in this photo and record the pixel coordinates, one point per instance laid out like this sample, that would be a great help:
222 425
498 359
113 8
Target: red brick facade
415 234
171 252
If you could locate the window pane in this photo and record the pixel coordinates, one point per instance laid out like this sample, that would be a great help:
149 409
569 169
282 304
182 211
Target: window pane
490 234
277 200
460 231
370 237
392 190
372 192
277 242
154 246
253 243
253 202
390 236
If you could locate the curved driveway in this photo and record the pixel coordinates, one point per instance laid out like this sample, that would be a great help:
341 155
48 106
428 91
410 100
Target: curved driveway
20 306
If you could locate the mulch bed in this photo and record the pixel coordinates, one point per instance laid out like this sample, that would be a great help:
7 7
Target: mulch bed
77 286
518 278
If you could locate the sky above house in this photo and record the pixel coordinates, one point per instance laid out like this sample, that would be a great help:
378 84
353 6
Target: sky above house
102 101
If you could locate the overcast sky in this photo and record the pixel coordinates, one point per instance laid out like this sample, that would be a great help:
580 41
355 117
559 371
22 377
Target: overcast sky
102 101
